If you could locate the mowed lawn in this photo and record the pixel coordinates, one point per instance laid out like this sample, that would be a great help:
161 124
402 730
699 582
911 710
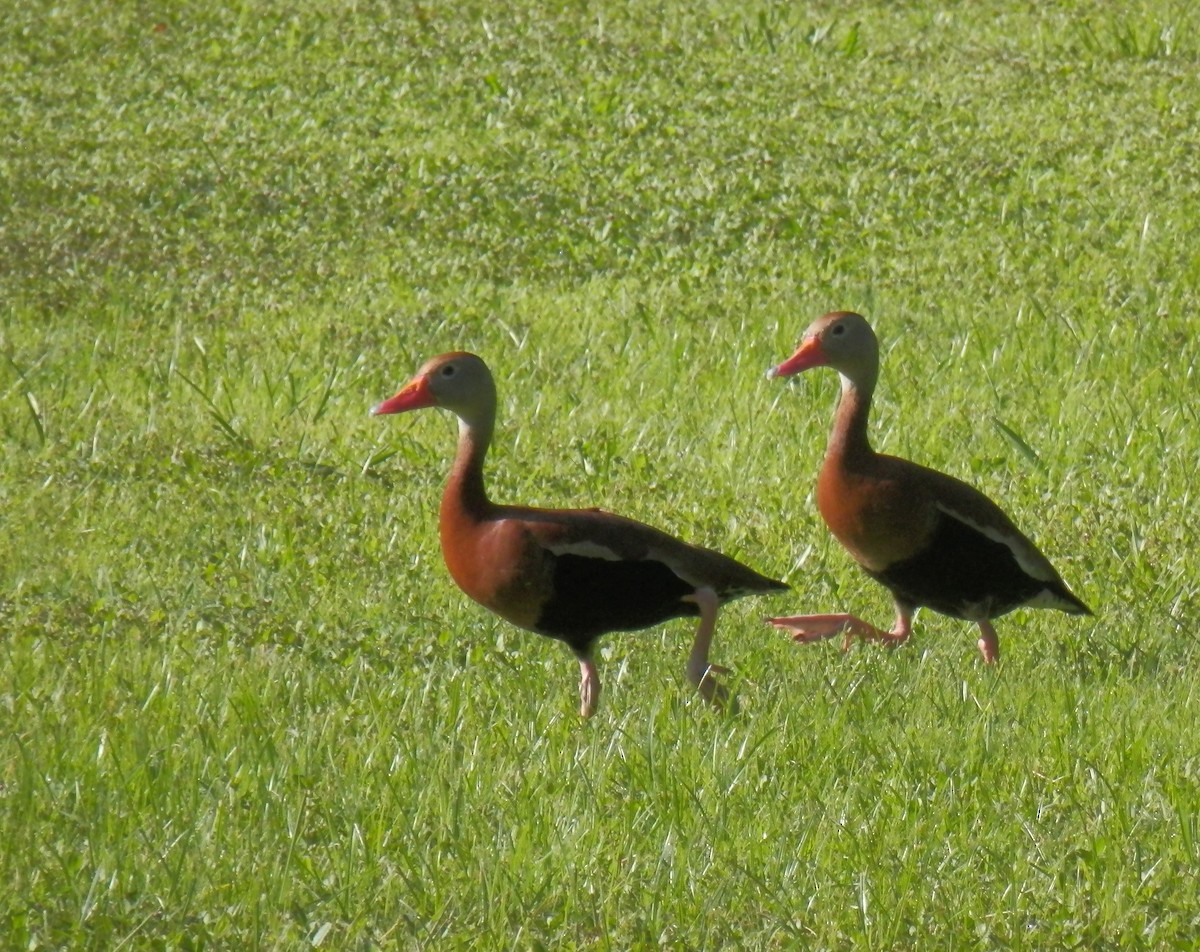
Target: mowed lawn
242 705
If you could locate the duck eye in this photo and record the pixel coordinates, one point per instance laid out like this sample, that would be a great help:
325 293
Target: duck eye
838 329
449 370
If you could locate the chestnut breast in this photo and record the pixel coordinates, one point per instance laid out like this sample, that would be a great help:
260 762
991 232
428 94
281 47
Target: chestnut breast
881 514
499 565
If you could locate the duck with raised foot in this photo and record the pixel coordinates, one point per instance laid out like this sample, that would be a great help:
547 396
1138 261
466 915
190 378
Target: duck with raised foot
931 539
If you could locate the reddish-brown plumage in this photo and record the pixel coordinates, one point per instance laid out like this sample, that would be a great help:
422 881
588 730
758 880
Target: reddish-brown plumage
931 539
569 574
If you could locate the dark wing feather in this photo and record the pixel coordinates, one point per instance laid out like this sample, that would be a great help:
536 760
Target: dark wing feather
962 573
592 596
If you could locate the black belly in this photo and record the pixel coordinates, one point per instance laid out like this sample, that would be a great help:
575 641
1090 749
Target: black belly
961 571
595 596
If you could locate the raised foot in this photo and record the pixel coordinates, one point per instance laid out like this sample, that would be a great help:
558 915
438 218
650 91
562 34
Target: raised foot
712 690
699 671
809 628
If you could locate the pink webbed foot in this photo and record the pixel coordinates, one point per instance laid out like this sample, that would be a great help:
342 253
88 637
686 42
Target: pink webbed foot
809 628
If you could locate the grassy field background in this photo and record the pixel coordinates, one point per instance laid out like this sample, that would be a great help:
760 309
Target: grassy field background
242 704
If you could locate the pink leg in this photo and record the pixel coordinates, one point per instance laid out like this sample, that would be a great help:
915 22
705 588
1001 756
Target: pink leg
589 687
807 628
699 670
989 643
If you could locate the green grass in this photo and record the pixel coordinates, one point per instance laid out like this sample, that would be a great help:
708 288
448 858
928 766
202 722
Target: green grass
242 704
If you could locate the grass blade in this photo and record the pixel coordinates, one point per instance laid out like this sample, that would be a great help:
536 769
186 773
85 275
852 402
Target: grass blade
1018 442
224 424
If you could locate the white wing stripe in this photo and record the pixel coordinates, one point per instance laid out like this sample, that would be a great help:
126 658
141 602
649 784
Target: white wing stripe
1030 562
585 548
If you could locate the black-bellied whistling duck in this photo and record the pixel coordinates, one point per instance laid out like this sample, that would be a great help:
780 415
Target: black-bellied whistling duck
931 539
570 574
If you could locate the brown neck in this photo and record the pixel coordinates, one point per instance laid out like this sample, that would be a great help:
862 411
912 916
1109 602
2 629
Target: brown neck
848 442
465 496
